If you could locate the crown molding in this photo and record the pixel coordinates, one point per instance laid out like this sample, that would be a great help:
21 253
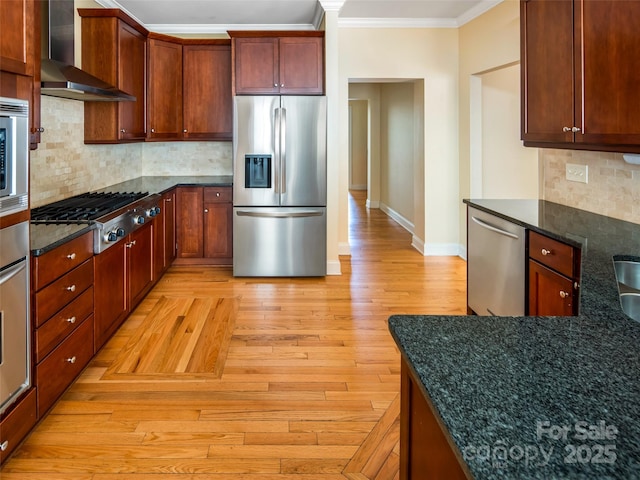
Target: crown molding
331 5
209 28
397 23
477 11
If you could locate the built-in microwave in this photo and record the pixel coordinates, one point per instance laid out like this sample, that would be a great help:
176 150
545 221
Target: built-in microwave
14 155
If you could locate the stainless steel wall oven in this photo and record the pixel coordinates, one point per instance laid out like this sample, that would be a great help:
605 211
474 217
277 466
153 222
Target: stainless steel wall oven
14 155
15 357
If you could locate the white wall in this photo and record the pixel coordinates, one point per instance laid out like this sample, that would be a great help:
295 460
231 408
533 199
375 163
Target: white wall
358 144
430 58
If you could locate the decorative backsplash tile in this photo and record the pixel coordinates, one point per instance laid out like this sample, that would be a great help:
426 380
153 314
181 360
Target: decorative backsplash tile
613 187
64 166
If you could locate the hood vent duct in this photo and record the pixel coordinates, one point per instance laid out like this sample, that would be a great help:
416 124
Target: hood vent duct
58 75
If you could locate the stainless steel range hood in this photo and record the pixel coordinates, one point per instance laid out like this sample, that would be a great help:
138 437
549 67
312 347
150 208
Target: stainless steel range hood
58 75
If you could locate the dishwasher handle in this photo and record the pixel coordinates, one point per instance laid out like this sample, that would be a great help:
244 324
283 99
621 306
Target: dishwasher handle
494 229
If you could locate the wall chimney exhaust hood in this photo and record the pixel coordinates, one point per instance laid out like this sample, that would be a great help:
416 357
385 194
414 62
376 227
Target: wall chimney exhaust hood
58 75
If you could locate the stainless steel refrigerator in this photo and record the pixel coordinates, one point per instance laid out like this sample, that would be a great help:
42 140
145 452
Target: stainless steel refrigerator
279 186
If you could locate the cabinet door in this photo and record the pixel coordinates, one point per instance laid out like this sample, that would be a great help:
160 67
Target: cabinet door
608 73
189 222
256 66
165 90
110 300
169 205
131 79
158 244
549 292
218 241
139 263
16 25
207 104
547 70
301 65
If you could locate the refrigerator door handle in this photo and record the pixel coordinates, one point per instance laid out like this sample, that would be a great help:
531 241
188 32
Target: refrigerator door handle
283 151
308 213
276 141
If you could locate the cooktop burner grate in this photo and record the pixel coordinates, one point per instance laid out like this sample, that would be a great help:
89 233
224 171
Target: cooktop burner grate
84 208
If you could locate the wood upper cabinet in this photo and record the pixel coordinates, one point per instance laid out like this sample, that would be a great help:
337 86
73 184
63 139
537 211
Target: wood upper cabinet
579 81
554 273
280 63
207 102
16 43
165 89
114 50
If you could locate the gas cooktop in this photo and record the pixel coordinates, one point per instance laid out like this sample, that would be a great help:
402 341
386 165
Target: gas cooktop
84 208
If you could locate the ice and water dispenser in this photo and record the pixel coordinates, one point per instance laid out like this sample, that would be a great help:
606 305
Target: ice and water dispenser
257 171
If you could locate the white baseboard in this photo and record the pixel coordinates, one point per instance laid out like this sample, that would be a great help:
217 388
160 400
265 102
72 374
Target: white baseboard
372 204
418 244
333 267
443 250
344 248
402 221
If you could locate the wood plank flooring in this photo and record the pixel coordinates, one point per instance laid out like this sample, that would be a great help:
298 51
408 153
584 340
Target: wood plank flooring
297 378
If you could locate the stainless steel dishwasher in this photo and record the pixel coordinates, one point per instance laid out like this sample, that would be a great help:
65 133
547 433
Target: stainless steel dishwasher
495 265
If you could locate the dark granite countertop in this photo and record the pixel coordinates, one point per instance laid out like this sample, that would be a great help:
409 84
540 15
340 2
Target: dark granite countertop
45 237
516 393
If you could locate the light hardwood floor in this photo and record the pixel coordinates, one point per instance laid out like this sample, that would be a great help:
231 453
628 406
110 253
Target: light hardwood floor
286 379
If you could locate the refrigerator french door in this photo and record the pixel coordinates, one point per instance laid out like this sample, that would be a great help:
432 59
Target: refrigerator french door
279 192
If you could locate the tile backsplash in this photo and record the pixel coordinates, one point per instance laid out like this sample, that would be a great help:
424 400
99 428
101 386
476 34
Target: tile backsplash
64 166
613 187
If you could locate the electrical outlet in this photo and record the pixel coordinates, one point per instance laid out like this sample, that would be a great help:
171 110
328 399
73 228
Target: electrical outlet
577 173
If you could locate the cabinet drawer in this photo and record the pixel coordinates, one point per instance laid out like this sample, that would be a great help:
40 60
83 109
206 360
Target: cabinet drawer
52 332
63 365
62 291
217 195
57 262
552 253
15 426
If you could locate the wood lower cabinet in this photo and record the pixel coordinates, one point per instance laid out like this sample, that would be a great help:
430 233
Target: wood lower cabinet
114 49
553 279
63 317
579 83
278 63
123 276
164 235
426 451
17 423
204 225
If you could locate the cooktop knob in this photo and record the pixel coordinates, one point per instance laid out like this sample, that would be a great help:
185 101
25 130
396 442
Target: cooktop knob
151 212
110 237
120 232
139 219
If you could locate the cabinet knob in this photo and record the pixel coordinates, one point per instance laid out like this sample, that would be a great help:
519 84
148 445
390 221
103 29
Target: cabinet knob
71 320
275 85
167 199
122 130
71 256
575 129
206 210
217 194
41 129
564 294
71 288
4 445
566 129
546 252
184 131
153 130
72 359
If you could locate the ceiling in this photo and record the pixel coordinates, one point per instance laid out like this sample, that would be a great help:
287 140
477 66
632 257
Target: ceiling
218 16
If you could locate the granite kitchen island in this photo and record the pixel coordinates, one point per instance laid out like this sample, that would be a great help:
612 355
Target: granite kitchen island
538 397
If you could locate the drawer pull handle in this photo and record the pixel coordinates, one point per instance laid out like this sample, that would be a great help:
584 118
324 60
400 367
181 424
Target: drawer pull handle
71 256
72 359
546 252
71 320
72 288
564 294
4 445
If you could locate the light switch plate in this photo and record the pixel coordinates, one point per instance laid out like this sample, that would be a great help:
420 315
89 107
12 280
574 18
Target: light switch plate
577 173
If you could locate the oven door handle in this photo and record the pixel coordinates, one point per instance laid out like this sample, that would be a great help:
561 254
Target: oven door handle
12 271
